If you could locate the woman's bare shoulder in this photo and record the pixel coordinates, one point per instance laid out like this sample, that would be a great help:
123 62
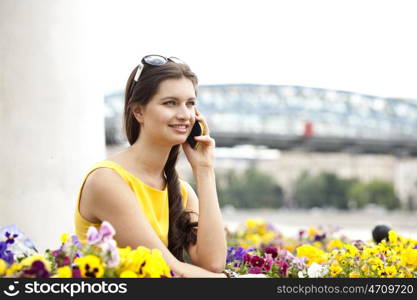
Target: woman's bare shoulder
101 178
110 199
102 189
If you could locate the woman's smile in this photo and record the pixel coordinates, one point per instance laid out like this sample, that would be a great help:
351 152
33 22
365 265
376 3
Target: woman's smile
180 128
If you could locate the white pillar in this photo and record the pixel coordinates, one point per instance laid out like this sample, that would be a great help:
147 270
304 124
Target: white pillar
51 114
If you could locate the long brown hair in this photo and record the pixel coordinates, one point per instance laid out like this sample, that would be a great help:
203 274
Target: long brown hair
182 232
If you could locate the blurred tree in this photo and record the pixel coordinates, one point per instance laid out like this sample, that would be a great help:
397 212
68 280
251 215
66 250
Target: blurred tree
374 192
251 189
323 190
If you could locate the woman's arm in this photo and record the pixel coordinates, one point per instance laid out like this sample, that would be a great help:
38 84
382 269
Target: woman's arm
109 198
210 250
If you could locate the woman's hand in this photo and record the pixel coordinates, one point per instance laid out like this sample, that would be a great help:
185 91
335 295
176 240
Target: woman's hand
203 156
185 270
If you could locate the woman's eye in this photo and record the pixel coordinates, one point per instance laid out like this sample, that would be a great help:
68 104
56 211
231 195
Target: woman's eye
192 102
169 102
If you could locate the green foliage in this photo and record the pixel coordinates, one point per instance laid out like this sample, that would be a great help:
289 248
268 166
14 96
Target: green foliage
324 190
327 190
251 189
375 192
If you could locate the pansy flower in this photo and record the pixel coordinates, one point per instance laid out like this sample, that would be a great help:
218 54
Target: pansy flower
283 267
257 261
37 270
104 234
6 254
272 250
16 240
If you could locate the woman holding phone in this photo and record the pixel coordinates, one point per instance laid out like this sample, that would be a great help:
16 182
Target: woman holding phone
138 189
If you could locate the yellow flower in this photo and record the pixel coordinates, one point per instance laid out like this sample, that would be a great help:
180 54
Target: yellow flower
337 254
409 257
124 253
365 269
312 231
13 269
380 271
334 244
405 274
91 266
155 266
375 261
261 230
392 236
289 247
132 260
317 244
391 271
354 274
335 269
64 272
368 252
313 254
244 245
128 274
3 267
65 237
28 261
346 261
253 223
254 239
268 236
142 262
352 250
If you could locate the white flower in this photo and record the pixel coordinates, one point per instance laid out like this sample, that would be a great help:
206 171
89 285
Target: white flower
316 271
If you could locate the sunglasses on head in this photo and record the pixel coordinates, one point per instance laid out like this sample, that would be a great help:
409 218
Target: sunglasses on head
153 60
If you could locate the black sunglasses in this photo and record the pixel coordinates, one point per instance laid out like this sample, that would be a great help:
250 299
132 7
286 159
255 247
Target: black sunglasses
152 60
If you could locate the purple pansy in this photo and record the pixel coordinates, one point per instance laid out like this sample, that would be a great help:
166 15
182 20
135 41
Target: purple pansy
76 241
110 247
319 237
76 273
104 234
37 270
236 253
247 258
271 250
16 239
10 233
257 261
269 261
5 254
283 267
103 238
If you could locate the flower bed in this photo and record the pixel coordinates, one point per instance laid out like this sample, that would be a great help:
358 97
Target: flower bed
99 257
256 249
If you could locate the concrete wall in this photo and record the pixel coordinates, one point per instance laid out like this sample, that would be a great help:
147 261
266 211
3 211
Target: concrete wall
51 114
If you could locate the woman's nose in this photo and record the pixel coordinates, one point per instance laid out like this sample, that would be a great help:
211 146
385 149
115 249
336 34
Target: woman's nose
184 112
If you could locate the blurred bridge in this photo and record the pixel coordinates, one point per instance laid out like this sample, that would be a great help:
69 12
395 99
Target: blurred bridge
298 118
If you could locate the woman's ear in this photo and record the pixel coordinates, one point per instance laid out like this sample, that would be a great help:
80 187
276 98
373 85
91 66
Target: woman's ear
137 110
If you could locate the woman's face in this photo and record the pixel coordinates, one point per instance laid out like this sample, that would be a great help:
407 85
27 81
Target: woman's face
168 117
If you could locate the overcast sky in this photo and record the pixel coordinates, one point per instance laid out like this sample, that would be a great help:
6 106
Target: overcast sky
361 46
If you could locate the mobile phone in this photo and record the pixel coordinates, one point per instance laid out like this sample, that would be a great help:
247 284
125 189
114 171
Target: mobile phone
197 130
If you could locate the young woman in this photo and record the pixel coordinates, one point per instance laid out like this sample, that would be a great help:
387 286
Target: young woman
139 191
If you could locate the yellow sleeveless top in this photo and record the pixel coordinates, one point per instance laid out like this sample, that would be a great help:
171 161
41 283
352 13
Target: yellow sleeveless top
153 202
